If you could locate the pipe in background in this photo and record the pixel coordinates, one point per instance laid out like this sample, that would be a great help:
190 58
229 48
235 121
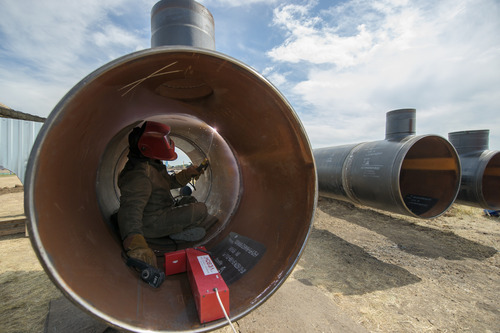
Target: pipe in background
480 183
406 174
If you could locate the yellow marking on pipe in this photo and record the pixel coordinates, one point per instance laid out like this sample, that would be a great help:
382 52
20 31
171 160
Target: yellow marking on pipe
437 163
492 172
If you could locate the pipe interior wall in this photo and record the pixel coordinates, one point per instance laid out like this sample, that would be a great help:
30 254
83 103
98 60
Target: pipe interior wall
429 176
490 182
261 182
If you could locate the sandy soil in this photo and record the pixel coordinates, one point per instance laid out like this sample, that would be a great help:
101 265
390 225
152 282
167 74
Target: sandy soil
363 270
11 198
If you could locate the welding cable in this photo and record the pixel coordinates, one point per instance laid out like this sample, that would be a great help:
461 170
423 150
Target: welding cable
223 310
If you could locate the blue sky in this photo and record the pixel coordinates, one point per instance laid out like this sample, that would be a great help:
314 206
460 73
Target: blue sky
341 64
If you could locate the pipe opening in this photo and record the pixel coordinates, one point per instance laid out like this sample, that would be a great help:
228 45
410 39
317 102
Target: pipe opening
219 187
429 177
491 181
261 183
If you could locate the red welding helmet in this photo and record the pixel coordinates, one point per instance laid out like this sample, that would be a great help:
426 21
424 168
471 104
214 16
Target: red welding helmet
156 143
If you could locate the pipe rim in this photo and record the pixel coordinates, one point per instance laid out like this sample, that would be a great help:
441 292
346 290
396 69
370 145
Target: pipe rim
412 142
33 167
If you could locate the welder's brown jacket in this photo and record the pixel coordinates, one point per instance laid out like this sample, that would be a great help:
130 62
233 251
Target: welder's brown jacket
145 194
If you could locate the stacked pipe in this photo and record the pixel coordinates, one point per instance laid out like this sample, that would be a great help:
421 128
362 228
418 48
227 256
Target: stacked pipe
406 174
261 182
480 184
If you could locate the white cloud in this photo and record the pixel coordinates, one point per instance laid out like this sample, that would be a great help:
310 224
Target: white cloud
48 46
310 39
321 47
112 36
234 3
274 76
364 58
342 65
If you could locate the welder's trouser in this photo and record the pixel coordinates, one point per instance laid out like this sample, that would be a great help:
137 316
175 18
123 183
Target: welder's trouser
175 219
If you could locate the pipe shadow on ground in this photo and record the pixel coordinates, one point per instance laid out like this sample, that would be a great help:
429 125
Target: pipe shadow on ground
412 238
25 295
31 303
342 267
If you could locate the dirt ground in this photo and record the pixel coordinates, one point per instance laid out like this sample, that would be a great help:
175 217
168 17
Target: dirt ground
363 270
11 197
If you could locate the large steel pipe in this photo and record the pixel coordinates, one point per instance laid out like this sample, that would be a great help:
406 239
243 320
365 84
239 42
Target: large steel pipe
182 22
480 185
261 183
406 174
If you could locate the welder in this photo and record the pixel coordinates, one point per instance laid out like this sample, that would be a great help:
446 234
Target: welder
147 208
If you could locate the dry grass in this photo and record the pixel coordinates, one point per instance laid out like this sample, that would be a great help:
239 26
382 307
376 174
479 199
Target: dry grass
25 288
361 268
461 211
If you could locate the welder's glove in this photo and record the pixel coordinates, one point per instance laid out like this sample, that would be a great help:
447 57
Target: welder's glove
137 248
187 174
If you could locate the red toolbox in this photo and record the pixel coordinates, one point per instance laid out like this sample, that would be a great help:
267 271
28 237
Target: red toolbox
175 262
204 278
